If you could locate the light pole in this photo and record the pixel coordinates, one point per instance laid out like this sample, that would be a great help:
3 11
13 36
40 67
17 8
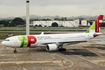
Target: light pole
27 17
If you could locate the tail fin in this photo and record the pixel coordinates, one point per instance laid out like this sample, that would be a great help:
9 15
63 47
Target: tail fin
95 28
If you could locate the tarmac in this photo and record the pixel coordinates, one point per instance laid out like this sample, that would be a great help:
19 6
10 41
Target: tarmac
82 56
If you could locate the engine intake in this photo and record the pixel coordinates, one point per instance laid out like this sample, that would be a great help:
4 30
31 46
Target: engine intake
51 47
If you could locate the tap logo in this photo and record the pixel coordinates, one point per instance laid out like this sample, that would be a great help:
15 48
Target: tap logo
27 40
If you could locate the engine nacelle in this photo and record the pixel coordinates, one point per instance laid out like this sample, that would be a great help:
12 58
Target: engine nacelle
52 47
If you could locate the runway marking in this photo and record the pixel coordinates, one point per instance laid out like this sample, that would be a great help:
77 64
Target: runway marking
60 63
65 65
2 55
66 59
98 61
100 55
25 69
86 60
22 62
78 57
15 56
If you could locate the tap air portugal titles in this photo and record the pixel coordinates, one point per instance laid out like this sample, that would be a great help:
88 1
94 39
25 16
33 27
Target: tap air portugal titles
54 41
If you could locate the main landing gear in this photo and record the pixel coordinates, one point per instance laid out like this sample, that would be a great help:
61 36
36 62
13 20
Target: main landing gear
15 51
62 49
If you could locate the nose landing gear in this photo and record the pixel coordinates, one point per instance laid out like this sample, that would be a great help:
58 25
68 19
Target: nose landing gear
15 51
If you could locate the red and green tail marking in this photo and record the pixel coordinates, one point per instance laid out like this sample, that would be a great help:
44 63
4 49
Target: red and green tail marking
95 28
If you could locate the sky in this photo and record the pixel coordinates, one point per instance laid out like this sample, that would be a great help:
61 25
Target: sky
63 8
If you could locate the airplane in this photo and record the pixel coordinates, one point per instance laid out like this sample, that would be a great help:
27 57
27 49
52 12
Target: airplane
54 42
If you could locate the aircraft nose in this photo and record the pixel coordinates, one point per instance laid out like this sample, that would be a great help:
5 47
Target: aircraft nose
2 43
5 43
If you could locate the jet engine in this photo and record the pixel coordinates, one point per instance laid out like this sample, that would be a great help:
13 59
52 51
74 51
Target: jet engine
51 47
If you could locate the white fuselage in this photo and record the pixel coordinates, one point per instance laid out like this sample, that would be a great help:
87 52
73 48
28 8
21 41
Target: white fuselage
58 39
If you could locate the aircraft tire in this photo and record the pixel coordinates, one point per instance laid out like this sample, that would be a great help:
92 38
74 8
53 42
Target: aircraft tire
15 51
62 49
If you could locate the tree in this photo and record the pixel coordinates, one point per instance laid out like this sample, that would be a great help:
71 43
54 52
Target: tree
54 24
4 22
64 19
17 21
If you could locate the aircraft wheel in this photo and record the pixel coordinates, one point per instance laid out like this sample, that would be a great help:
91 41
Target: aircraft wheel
15 51
62 49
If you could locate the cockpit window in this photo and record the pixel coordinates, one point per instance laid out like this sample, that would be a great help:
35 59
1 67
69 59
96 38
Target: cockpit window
6 40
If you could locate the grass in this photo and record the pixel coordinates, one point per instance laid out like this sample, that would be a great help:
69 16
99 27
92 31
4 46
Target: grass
3 35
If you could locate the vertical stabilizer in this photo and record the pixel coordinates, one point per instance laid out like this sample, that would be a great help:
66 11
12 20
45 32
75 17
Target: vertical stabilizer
95 28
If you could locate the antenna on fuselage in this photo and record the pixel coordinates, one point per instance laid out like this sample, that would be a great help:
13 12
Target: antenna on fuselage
27 17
